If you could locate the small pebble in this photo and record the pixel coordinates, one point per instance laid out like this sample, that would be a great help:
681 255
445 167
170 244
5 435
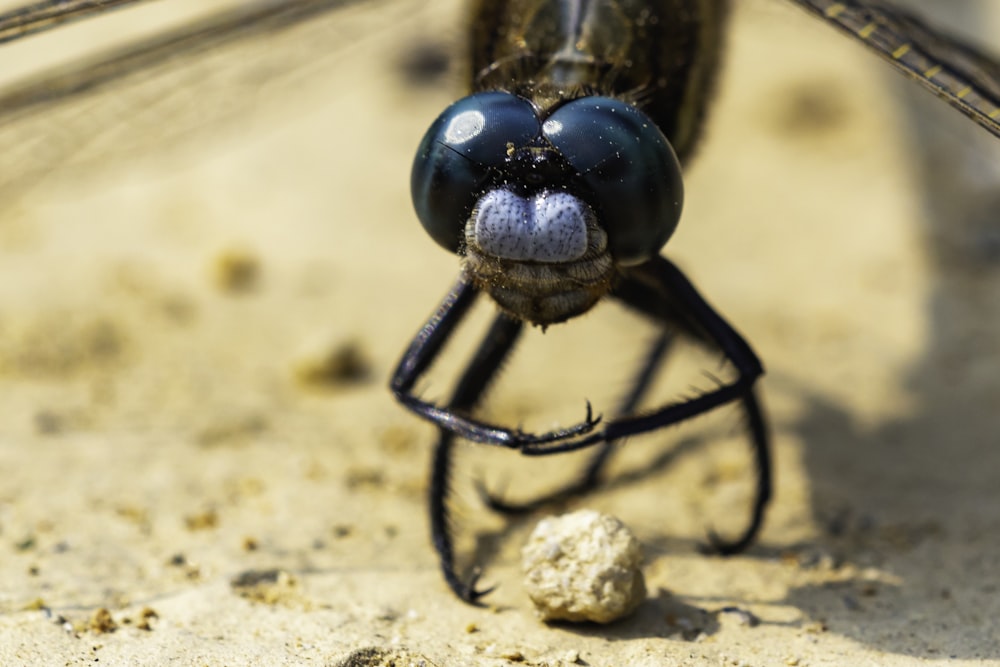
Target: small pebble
325 364
583 566
236 271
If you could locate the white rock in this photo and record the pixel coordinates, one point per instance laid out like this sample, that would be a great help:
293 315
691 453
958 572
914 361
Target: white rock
583 566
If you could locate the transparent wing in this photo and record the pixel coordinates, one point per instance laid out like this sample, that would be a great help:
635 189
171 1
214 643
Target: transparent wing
41 16
962 75
254 20
178 84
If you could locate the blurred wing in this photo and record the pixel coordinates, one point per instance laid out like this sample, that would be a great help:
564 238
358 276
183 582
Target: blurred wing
42 16
256 20
961 75
146 96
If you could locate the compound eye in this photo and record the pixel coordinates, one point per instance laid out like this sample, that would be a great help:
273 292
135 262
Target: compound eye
473 136
630 168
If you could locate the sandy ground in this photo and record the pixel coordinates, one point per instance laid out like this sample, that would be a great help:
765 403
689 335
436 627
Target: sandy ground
187 479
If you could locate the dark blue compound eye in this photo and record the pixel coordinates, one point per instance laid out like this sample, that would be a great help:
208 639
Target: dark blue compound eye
472 136
630 168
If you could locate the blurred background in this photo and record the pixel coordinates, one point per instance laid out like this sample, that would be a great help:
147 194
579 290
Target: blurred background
209 267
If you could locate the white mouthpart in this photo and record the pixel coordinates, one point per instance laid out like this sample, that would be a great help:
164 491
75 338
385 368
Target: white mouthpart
546 227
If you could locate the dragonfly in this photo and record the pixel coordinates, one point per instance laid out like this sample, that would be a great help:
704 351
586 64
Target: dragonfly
547 221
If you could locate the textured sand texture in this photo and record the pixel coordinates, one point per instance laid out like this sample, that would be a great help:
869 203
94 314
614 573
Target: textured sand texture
207 275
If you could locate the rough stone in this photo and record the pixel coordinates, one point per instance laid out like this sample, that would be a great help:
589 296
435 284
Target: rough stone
583 566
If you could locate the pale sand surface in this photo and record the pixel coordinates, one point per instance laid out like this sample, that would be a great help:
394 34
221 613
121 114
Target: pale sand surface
158 439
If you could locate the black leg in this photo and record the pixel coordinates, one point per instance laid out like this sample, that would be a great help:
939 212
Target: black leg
592 473
421 354
659 290
497 344
647 372
762 458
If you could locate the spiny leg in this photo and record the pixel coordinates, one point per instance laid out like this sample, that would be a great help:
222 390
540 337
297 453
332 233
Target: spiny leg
762 464
420 355
674 301
591 476
497 344
662 292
